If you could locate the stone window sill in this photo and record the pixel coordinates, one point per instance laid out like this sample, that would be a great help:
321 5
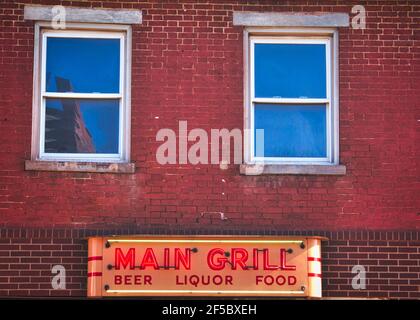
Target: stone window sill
73 166
289 169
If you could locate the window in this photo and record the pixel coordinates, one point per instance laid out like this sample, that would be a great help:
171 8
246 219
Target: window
291 103
82 99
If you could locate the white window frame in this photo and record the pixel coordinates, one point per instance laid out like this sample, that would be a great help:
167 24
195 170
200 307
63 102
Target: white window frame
329 37
76 30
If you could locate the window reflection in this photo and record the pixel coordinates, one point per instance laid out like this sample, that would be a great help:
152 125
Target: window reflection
81 126
92 65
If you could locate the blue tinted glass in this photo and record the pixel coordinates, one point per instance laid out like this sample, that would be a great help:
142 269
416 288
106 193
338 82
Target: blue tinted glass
292 130
81 126
83 65
290 70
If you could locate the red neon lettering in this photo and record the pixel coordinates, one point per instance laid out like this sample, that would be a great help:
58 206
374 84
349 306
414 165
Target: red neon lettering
184 258
266 262
220 262
255 259
166 258
239 257
283 263
124 260
149 260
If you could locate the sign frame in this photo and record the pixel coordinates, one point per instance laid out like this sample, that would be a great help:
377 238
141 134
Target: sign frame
100 270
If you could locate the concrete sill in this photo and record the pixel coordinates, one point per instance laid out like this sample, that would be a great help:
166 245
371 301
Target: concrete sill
266 169
71 166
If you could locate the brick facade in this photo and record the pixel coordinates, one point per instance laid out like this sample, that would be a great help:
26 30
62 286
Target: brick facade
188 65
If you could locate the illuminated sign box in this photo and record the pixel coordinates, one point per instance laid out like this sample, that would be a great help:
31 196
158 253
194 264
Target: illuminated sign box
204 266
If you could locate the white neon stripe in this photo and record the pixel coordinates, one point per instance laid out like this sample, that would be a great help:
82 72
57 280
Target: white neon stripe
205 291
201 241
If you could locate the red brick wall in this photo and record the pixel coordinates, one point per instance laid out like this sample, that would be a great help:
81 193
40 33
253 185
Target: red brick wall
391 260
187 65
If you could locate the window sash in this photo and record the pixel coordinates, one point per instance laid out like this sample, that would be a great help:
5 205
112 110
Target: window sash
298 101
85 35
292 159
79 156
106 157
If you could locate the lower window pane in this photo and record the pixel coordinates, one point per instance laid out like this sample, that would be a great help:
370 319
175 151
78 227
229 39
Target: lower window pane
81 126
291 130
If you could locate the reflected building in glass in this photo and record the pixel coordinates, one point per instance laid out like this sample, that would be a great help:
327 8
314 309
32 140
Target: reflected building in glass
65 129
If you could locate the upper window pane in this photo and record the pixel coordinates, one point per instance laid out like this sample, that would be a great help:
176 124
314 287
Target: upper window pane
290 70
86 65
